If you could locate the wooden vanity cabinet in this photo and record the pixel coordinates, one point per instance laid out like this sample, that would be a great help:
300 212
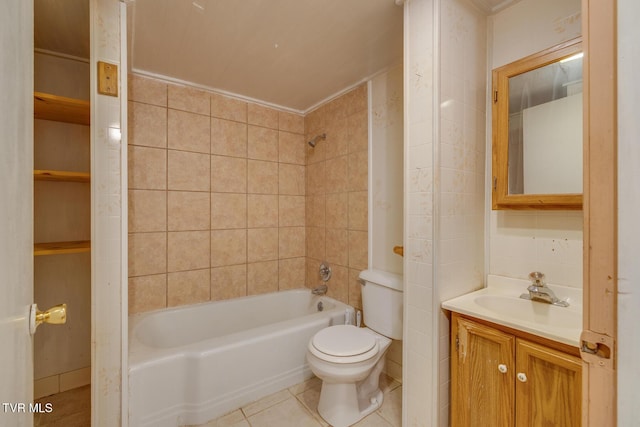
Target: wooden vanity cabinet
500 379
551 391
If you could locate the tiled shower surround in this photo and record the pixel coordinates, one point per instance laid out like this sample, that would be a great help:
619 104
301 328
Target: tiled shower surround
336 191
226 199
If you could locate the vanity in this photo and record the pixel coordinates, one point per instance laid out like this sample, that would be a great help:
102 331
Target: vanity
514 361
515 358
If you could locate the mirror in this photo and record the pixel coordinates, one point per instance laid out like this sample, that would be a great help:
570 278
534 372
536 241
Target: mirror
537 130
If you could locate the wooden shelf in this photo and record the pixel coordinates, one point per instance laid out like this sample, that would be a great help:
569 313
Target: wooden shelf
61 109
55 248
50 175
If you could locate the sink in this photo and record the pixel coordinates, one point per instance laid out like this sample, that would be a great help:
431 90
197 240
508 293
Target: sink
531 311
500 303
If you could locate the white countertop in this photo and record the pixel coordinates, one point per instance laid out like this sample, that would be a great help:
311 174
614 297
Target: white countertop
500 303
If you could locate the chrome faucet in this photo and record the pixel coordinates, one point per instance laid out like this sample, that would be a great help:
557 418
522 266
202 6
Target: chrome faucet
320 290
325 275
539 291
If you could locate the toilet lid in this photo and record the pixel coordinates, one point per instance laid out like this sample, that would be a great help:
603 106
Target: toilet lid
343 341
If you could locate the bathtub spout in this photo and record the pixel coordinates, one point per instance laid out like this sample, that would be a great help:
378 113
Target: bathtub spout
320 290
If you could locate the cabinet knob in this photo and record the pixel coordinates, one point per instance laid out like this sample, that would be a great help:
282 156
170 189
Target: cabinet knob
522 377
502 368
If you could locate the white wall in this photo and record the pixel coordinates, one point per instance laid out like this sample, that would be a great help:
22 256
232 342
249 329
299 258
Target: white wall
61 76
530 26
386 198
459 160
445 78
628 212
109 223
521 242
419 406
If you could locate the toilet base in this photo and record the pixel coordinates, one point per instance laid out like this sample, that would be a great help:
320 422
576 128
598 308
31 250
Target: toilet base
344 404
340 406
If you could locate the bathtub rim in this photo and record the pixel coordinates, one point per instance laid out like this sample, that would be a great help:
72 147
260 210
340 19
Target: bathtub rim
141 354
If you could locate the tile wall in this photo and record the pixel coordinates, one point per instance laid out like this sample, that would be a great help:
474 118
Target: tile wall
216 197
387 160
521 242
108 215
336 193
227 199
460 194
419 405
387 204
445 74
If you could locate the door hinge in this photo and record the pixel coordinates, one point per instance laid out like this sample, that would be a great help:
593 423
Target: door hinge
597 349
495 96
495 183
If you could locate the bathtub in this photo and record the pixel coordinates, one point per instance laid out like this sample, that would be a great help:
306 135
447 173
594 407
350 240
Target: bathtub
191 364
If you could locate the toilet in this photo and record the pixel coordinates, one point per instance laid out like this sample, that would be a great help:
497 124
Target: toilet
349 360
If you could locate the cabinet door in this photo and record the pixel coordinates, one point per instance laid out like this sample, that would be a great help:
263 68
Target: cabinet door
548 387
482 375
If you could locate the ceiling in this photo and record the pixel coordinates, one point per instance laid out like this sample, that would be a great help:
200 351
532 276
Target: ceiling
289 53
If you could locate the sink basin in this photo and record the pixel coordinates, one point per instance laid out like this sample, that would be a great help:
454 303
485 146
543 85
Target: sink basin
530 311
500 303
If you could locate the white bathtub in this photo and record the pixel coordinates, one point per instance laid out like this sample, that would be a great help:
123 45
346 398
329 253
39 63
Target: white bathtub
191 364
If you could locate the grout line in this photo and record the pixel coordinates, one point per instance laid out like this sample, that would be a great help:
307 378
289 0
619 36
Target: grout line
210 201
246 233
166 190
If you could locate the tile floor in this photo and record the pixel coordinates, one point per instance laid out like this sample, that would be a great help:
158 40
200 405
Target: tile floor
297 407
71 408
292 407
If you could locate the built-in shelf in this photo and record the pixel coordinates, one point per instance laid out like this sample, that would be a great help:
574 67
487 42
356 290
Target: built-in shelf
61 109
55 248
51 175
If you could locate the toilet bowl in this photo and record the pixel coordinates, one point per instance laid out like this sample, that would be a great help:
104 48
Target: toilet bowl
349 359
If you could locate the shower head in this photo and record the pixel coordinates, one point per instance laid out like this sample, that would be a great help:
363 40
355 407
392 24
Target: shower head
314 141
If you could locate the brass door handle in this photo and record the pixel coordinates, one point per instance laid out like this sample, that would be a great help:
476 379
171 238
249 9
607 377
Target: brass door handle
398 250
56 315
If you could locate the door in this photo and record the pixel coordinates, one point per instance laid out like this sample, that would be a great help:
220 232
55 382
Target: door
16 211
548 387
482 375
600 300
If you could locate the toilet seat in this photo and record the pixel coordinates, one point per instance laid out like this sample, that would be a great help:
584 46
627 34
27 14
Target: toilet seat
344 344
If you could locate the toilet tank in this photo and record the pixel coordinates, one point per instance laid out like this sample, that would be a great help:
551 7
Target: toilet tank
382 302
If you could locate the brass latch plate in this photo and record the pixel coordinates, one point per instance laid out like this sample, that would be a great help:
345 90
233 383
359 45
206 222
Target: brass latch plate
597 349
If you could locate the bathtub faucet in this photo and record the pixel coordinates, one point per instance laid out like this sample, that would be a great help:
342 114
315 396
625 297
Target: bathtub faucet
320 290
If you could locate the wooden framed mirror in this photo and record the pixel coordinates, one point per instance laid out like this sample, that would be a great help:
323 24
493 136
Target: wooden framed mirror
537 130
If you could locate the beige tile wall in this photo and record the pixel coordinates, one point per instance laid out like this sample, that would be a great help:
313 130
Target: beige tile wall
336 193
216 197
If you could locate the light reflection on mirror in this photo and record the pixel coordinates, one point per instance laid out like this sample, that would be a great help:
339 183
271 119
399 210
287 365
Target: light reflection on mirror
545 129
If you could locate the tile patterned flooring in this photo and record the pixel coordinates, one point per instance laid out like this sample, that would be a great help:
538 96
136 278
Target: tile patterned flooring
297 407
292 407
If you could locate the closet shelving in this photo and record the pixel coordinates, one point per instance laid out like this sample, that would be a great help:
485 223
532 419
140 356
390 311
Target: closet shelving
56 248
51 175
61 109
67 110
